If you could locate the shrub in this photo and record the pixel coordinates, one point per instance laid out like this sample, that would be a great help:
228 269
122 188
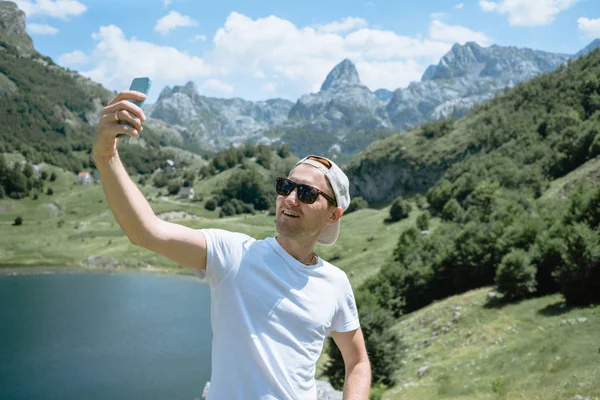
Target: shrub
591 213
515 275
423 221
452 211
249 187
173 188
357 203
400 209
238 206
579 275
227 210
49 192
18 221
440 194
210 205
160 180
283 151
421 202
547 254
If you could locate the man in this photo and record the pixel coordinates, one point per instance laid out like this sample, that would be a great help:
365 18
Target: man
273 301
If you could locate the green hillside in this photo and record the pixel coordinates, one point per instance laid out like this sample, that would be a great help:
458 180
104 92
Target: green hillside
49 113
536 349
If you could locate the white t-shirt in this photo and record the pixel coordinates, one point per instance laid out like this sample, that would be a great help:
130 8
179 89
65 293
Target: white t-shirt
270 316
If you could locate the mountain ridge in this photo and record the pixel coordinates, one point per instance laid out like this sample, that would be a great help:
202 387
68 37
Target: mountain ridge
344 109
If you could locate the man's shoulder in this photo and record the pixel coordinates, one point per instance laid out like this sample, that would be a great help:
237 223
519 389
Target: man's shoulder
224 234
338 274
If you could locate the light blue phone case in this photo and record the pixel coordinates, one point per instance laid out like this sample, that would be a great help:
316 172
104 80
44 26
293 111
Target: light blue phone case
139 85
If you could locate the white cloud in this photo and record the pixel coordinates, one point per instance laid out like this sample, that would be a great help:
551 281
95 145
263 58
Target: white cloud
117 59
167 2
217 86
589 27
62 9
528 12
199 38
389 75
269 88
76 57
343 25
438 15
259 74
41 29
382 45
173 20
459 6
456 34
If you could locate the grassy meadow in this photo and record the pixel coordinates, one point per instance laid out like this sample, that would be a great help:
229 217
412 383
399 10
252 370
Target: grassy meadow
536 349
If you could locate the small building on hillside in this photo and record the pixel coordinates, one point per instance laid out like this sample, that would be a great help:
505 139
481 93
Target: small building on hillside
186 193
170 166
84 178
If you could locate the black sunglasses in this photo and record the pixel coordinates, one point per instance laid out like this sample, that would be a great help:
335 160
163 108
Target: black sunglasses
306 194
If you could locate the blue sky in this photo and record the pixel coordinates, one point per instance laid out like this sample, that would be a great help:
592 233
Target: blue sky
265 49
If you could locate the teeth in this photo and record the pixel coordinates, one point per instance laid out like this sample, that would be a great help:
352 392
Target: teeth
290 214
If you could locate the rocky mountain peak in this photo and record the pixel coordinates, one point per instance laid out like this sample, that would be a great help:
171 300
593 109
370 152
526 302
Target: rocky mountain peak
343 74
457 62
190 90
12 26
595 44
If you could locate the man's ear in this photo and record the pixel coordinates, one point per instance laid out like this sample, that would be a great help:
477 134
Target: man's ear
336 214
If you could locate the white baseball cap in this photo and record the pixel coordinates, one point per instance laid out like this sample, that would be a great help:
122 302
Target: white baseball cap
340 185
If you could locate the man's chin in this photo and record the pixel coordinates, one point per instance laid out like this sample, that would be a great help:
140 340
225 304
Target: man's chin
286 230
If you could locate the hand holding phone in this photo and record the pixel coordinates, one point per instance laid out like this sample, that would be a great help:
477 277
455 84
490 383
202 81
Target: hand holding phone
142 85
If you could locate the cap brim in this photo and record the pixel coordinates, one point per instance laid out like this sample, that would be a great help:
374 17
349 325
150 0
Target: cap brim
330 234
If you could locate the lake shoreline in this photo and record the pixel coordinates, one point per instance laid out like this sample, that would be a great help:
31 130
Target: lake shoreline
49 269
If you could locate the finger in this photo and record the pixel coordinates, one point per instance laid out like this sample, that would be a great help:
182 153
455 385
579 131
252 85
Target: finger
123 129
125 115
127 106
127 95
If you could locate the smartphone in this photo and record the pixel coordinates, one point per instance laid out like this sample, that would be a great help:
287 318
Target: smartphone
139 85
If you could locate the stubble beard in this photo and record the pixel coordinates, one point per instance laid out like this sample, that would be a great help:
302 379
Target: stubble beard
288 230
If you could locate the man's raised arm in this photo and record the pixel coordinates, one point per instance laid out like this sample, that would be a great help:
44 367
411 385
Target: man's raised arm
132 211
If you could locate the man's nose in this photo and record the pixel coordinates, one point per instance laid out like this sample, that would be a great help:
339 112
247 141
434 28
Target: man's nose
292 198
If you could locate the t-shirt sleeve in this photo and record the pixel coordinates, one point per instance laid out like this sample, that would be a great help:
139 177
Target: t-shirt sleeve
224 251
346 317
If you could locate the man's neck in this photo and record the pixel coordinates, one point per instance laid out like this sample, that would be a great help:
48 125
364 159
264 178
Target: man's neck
301 250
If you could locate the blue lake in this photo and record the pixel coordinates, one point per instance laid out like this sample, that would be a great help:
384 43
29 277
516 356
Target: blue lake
104 336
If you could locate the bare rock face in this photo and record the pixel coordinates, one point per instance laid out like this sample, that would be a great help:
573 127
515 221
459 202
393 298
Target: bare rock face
379 182
12 27
343 74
